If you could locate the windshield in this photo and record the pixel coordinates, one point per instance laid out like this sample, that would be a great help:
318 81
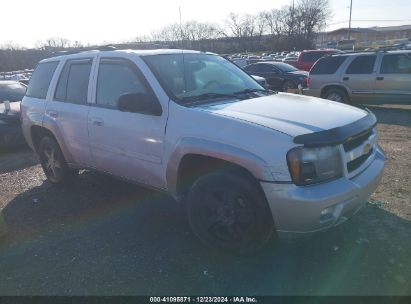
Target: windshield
284 67
12 92
189 76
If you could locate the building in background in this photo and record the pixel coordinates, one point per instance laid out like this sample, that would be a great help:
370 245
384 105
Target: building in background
364 37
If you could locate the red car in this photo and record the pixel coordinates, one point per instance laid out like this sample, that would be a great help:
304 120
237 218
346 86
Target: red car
307 58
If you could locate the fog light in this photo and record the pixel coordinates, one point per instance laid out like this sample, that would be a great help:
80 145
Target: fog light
326 214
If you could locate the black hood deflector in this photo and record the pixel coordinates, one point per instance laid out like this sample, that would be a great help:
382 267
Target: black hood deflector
337 135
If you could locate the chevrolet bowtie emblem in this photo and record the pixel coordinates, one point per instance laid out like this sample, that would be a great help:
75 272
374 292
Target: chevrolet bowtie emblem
367 148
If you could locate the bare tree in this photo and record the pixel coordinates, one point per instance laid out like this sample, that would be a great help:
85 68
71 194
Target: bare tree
53 43
234 26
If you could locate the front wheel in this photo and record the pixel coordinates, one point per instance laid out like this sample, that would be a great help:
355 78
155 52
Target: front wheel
52 161
229 212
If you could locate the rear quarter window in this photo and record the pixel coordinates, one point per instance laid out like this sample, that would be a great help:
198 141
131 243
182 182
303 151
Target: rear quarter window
327 65
40 80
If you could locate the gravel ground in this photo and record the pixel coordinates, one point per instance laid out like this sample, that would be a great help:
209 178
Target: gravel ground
101 236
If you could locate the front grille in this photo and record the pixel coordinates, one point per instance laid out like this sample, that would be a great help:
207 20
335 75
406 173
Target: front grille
356 163
355 148
356 141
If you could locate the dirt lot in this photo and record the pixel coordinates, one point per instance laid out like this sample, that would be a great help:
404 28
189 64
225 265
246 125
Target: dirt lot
101 236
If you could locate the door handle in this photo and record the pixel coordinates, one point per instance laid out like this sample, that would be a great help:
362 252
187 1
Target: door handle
346 78
380 78
53 114
97 121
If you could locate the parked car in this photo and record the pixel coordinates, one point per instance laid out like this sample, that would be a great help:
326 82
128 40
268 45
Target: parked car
291 60
240 62
11 134
11 90
244 160
363 77
261 80
280 76
279 58
306 59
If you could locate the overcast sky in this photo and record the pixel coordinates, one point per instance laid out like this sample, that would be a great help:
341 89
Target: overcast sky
90 21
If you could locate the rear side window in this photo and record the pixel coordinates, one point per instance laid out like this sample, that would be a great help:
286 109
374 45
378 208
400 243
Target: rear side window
362 65
73 83
327 65
396 64
40 80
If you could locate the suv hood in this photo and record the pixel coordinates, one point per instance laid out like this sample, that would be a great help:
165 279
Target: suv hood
289 113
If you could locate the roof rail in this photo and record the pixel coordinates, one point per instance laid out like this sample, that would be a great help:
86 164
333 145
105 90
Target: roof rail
81 50
107 47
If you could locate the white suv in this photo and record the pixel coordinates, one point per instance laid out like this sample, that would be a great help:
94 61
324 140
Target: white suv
244 160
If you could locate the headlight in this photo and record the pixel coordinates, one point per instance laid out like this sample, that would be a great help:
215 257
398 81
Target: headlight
314 165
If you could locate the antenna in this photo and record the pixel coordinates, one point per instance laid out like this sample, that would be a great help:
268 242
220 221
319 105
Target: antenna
181 26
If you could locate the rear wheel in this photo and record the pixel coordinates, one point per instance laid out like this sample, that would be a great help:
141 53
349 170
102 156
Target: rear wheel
53 163
336 94
229 212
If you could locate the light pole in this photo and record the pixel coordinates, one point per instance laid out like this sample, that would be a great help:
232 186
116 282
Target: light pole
349 24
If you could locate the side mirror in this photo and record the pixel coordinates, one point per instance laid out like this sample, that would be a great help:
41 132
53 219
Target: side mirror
139 103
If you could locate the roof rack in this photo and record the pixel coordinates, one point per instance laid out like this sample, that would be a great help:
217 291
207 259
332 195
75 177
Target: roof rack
102 48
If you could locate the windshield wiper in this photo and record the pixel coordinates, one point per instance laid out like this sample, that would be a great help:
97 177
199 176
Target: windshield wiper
247 91
207 96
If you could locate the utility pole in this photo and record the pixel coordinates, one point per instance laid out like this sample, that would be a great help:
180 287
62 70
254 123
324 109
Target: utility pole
292 25
181 27
349 24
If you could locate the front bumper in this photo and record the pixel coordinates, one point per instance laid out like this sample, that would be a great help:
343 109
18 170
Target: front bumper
298 210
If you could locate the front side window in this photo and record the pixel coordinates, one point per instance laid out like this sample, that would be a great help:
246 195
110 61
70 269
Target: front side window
72 86
189 76
362 65
396 64
40 80
117 77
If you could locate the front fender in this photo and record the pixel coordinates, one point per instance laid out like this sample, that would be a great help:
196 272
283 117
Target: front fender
247 160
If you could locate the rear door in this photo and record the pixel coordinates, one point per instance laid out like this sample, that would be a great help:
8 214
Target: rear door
68 108
359 77
393 80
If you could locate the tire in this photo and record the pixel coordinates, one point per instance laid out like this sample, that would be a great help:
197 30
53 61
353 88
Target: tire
53 163
336 94
288 84
229 212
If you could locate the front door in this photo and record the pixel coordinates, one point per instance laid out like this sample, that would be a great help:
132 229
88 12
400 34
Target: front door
393 81
128 145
